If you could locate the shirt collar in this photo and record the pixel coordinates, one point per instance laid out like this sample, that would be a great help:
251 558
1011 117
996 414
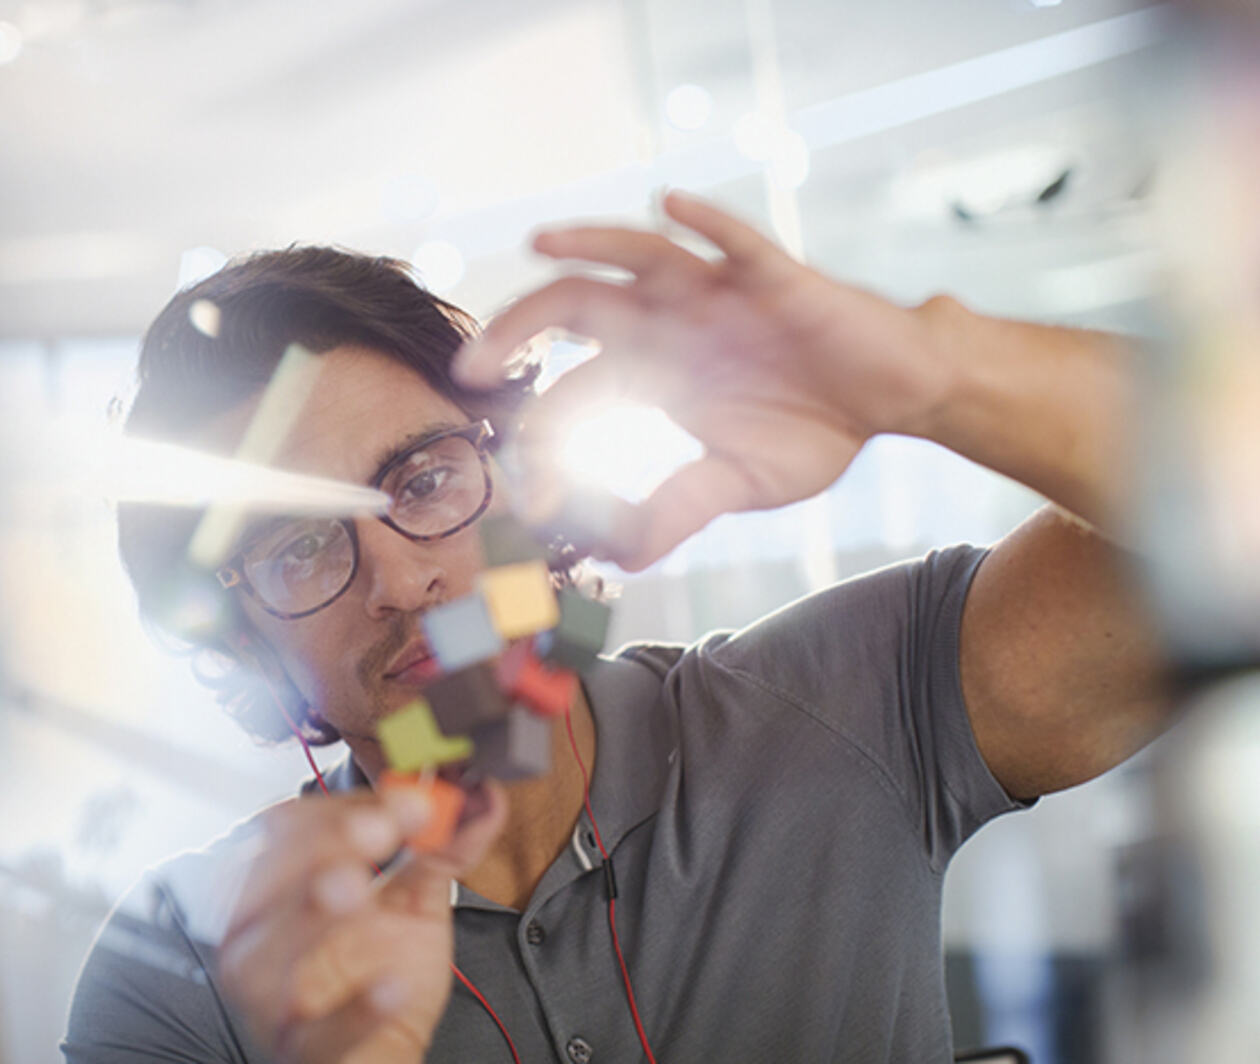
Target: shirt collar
635 739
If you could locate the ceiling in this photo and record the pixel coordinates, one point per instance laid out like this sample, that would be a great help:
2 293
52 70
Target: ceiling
132 131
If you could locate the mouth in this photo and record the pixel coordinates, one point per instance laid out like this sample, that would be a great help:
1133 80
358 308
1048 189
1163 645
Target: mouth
414 665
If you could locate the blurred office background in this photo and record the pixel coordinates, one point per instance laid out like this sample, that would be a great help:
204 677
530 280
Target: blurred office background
992 149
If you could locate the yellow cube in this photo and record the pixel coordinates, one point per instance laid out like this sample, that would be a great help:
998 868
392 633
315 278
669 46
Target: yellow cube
521 598
413 742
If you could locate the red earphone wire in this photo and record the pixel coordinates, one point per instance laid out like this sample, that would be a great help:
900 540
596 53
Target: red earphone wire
486 1005
297 733
612 904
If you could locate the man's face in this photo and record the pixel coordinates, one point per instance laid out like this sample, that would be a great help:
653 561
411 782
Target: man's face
349 659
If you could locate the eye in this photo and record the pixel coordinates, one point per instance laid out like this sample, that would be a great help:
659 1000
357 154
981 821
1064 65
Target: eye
426 484
305 547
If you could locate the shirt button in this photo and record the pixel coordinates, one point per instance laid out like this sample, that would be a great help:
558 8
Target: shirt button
534 934
579 1050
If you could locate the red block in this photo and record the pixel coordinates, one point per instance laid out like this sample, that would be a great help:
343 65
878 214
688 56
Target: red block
525 678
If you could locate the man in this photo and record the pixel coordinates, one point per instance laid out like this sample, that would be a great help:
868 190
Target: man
779 805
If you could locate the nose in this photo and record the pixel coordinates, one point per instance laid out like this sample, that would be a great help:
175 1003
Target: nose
400 575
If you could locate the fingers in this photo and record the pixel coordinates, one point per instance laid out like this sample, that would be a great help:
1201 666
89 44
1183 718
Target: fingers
393 956
738 241
649 256
314 939
316 845
692 497
370 952
580 305
378 1027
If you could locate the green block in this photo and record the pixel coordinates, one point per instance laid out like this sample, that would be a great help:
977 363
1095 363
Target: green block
413 742
506 541
575 642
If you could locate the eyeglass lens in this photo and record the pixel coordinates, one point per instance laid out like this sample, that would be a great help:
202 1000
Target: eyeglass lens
302 564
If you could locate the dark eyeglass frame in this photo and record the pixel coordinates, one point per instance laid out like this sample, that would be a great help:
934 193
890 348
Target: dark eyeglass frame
478 433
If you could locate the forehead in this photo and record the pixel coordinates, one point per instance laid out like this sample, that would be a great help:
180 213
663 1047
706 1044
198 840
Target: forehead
362 404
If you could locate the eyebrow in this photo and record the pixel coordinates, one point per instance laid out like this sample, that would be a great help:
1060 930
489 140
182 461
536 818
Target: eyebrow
408 443
256 528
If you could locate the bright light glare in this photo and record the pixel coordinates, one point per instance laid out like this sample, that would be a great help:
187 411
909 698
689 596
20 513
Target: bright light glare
688 106
789 165
80 462
755 134
10 42
206 317
761 138
628 449
440 265
147 471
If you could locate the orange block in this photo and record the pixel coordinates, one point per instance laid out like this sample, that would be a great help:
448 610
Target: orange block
446 801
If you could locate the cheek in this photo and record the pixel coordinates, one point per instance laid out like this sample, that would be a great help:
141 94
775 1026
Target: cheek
467 559
310 653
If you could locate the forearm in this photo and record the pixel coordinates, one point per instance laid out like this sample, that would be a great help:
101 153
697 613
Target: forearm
1053 408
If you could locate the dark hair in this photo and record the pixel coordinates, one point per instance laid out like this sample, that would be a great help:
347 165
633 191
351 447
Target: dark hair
216 344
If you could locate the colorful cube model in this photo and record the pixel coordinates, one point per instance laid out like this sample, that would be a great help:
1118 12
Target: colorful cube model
461 633
412 741
507 541
548 691
467 698
514 748
521 598
579 636
446 802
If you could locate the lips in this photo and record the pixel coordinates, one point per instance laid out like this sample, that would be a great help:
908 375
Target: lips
414 664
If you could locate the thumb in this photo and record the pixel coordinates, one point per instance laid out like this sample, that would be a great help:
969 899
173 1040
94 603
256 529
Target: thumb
687 501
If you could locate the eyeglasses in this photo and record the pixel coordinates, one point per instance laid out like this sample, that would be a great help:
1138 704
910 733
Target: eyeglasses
296 566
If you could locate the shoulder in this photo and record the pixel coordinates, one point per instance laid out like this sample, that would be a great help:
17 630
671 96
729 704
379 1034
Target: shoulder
868 619
147 990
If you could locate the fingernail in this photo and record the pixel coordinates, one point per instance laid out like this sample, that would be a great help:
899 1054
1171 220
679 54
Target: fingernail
410 807
341 890
371 832
389 995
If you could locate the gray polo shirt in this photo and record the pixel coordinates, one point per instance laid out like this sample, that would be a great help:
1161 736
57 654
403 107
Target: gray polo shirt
780 805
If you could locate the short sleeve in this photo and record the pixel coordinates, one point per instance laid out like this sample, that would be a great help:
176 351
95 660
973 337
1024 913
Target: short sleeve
875 661
147 991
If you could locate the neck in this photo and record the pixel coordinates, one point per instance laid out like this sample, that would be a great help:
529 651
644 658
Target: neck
541 814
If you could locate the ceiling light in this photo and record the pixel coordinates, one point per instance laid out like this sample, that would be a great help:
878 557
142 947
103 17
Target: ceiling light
688 107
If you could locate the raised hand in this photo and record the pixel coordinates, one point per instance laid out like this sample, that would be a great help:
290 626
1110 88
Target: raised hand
781 373
325 963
